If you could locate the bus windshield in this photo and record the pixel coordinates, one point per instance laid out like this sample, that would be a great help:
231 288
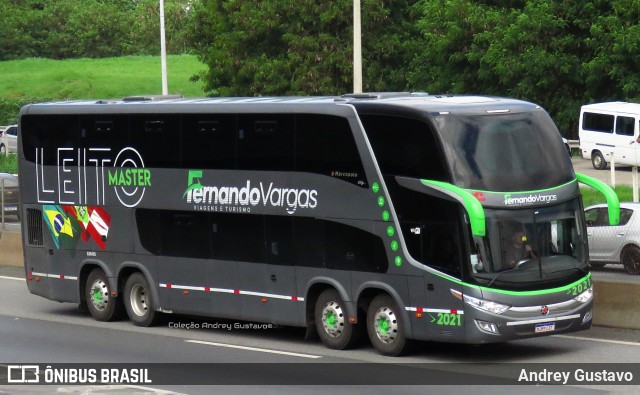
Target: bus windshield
505 152
530 245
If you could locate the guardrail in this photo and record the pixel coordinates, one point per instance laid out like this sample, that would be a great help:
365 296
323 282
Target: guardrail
9 204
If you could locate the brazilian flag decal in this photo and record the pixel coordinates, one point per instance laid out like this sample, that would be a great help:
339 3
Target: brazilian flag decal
63 229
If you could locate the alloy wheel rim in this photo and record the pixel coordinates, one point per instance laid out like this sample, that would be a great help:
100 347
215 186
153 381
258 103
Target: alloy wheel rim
386 325
138 300
333 319
99 293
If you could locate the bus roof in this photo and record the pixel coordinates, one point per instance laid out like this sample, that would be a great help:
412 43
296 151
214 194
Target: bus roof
420 102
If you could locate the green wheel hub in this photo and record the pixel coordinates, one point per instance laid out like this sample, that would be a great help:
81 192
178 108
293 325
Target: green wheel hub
333 319
386 325
99 295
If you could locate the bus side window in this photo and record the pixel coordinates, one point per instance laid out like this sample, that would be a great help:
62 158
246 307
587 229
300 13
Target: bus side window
405 147
325 145
104 131
46 134
155 137
237 237
279 240
351 248
265 142
209 141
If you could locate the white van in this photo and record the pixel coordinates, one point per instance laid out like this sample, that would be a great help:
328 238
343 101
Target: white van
608 129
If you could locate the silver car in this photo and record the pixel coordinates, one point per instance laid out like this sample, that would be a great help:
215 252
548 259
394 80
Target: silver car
614 244
9 139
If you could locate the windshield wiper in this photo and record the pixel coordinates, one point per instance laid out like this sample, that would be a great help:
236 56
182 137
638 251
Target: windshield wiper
501 273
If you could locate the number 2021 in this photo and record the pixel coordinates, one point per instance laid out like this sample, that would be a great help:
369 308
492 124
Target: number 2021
449 319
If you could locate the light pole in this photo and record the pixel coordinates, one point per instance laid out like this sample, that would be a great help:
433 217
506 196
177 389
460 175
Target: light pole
357 48
163 51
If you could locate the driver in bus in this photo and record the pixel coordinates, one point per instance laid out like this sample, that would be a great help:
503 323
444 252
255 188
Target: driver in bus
517 250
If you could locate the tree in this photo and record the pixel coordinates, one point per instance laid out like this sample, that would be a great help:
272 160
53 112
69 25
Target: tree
533 50
61 29
288 47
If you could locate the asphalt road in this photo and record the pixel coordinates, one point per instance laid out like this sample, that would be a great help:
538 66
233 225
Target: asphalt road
36 330
622 174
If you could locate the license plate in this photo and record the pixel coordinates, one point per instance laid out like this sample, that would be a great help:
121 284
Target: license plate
547 327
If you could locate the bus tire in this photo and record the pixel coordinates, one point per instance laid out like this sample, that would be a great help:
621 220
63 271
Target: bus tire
101 303
139 302
631 260
385 326
332 323
597 160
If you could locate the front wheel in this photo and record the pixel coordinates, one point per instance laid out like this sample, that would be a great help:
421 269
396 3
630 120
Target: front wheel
101 303
332 322
631 260
139 302
597 160
385 326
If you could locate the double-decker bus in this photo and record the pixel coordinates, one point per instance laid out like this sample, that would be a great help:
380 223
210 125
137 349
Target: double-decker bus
402 216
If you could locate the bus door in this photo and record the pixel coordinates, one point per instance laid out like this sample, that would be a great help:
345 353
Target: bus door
183 267
280 272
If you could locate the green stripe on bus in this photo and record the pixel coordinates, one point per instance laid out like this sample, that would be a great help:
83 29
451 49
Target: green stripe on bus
517 293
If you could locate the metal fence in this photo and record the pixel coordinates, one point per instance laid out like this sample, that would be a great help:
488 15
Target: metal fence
9 202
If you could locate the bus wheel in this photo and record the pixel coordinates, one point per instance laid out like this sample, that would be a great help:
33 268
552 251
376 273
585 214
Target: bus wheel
631 260
384 325
101 304
597 160
138 301
332 323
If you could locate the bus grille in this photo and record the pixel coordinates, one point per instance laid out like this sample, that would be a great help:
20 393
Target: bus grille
34 227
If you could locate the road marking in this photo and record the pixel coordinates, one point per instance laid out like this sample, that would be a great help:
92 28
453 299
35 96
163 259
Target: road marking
265 350
106 388
12 278
599 340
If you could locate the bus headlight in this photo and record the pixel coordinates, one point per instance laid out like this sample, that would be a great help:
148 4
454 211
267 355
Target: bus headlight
491 307
585 296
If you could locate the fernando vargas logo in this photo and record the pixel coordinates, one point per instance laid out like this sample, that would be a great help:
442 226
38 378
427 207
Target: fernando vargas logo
243 198
510 200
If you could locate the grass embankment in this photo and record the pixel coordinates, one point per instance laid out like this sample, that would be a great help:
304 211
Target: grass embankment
591 196
9 164
97 78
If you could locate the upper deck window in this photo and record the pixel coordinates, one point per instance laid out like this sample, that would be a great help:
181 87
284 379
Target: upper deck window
405 147
505 152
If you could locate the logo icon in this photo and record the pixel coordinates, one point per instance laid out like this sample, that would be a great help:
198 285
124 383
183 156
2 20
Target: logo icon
544 310
193 182
23 374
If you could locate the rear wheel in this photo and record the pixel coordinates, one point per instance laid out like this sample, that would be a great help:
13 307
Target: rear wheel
385 326
332 322
139 302
597 160
3 149
102 304
631 260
